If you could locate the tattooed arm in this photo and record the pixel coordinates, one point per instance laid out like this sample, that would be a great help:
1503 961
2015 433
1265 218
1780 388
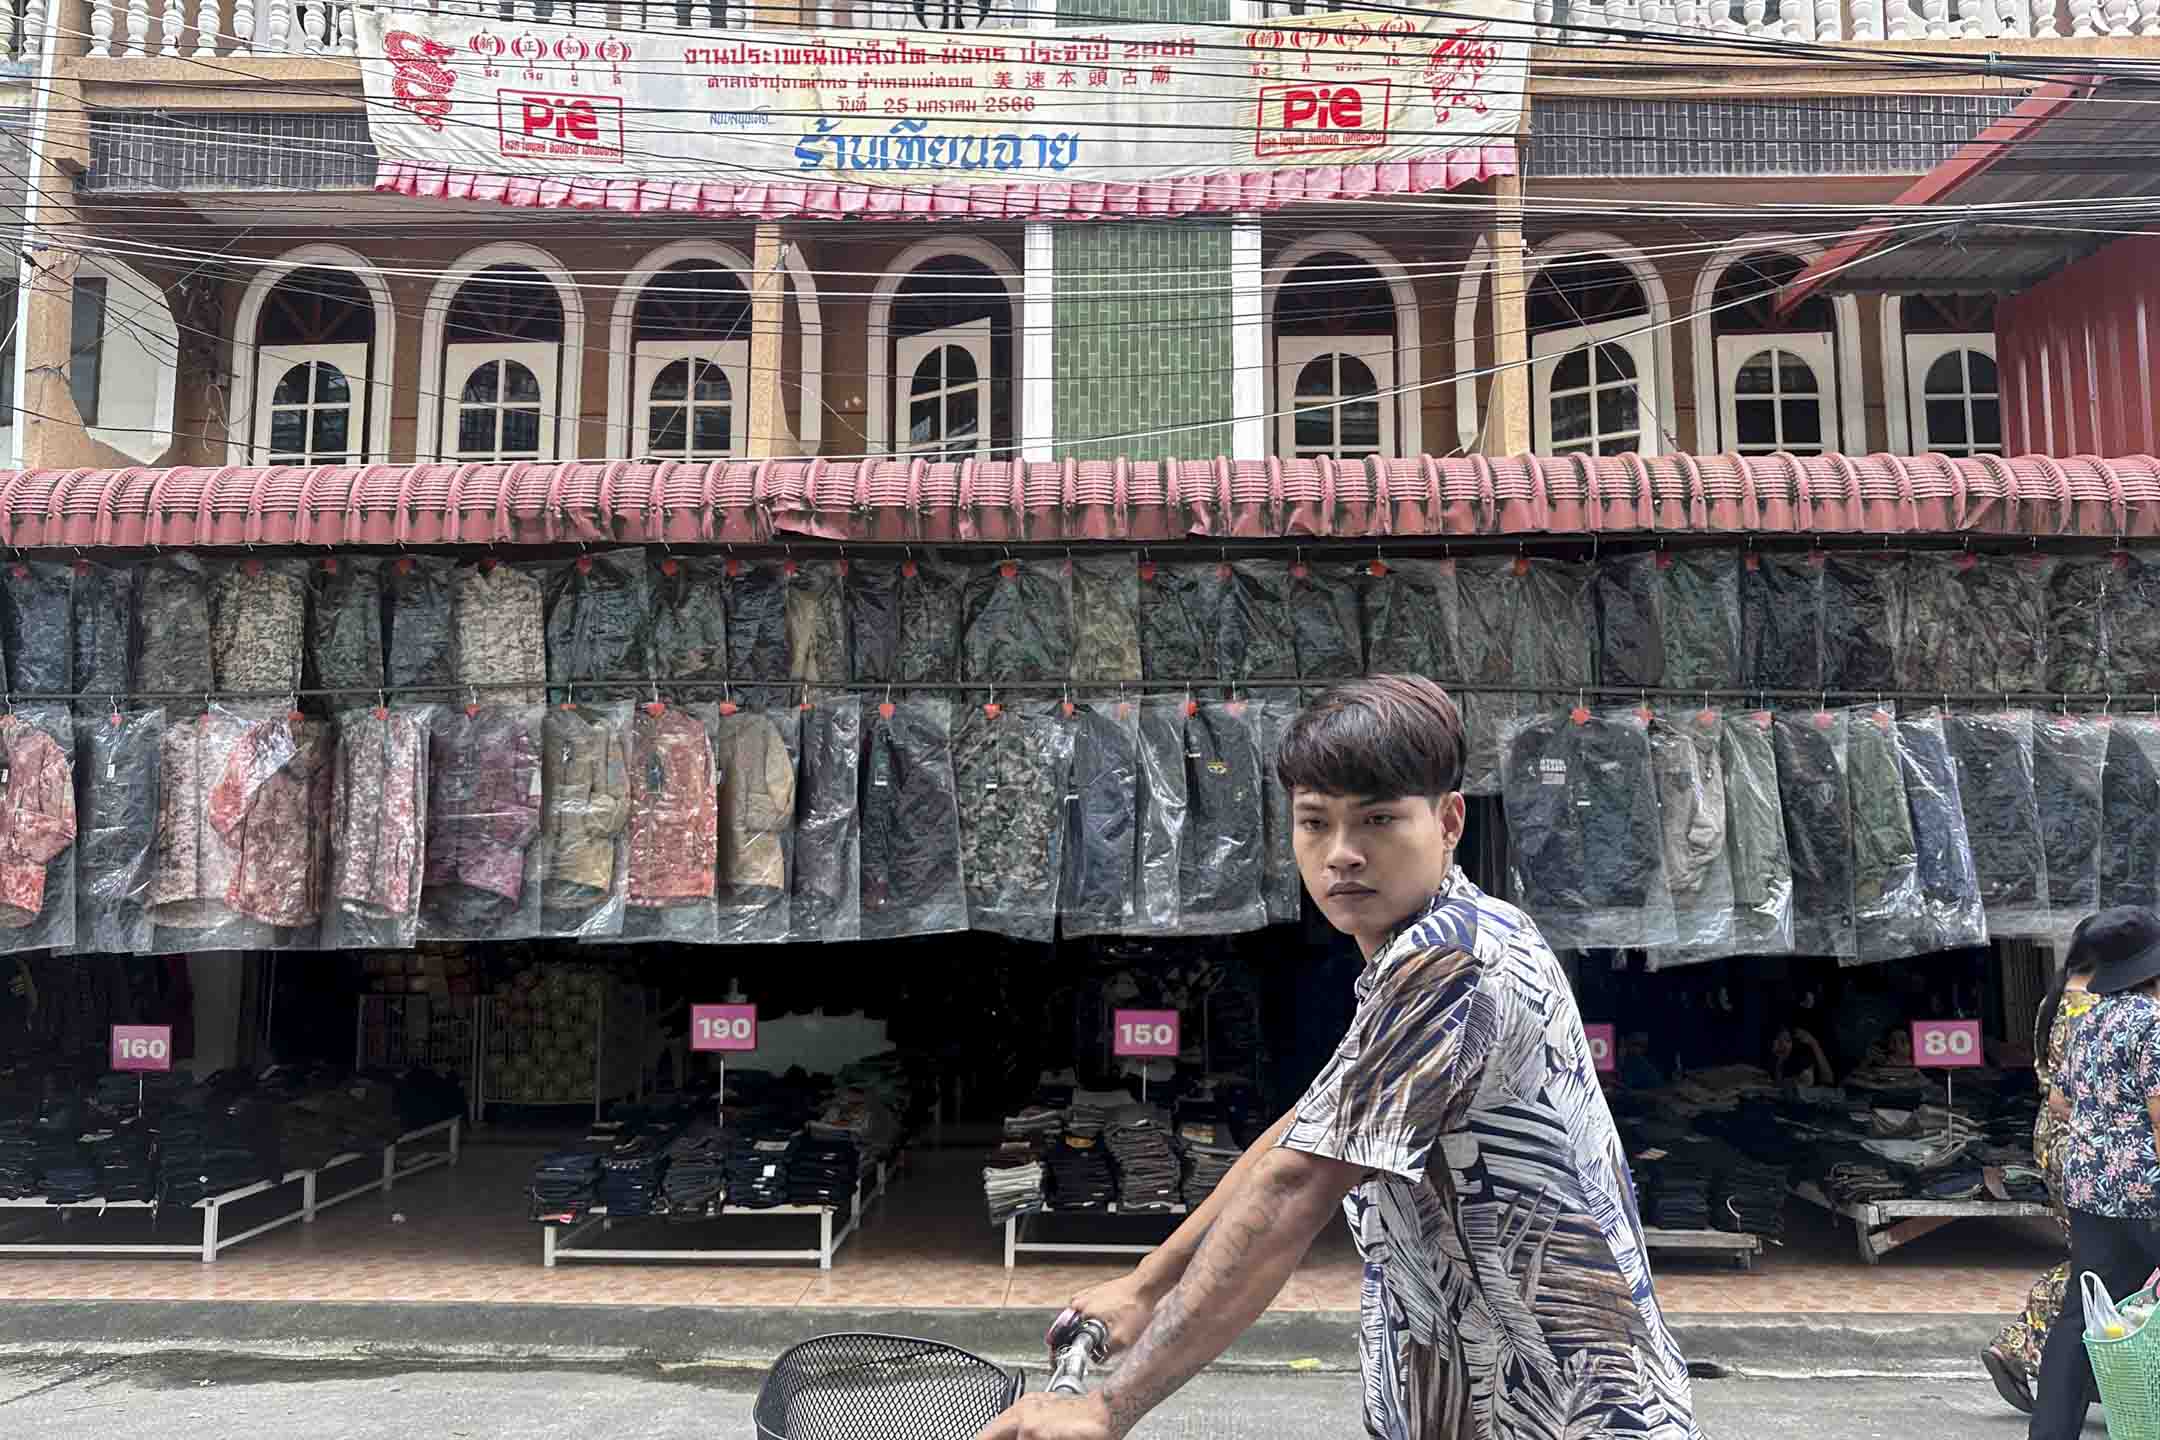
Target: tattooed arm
1251 1249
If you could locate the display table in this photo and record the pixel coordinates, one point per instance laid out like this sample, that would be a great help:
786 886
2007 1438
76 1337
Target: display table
1742 1249
1017 1243
1884 1225
560 1242
312 1202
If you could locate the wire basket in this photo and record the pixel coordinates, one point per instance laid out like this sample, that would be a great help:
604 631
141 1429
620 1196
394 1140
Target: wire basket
881 1387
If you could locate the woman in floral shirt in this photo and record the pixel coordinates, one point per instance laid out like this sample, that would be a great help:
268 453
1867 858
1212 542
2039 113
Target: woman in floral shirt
2013 1361
2107 1093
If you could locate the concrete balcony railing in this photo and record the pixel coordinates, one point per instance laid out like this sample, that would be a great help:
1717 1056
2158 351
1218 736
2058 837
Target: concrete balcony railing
1811 22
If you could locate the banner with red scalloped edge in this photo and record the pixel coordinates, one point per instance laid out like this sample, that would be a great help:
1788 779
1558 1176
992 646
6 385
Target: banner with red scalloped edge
1161 118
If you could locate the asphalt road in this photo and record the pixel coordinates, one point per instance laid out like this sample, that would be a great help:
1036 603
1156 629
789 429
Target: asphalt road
163 1397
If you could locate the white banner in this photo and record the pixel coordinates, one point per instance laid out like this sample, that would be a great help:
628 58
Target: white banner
1121 105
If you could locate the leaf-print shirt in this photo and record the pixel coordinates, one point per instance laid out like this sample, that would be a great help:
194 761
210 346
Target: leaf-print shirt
2106 1150
1507 1290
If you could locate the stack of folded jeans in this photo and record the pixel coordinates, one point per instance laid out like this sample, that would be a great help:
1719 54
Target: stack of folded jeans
2025 1185
1013 1181
66 1175
18 1167
1092 1109
697 1175
122 1156
1080 1175
565 1185
824 1172
631 1176
1750 1200
1147 1167
758 1166
1680 1192
1036 1122
1854 1183
1206 1167
1958 1183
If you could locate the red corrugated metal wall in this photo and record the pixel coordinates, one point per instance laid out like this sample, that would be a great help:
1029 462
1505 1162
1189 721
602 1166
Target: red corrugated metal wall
2075 354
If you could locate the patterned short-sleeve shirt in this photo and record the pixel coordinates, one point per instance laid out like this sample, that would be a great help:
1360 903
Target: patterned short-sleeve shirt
1507 1291
2113 1070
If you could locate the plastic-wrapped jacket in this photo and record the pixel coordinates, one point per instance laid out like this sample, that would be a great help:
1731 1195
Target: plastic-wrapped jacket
116 810
173 617
2133 623
1587 837
1994 753
1254 639
1491 596
1324 620
423 649
104 622
911 880
1181 603
345 624
2069 754
1863 618
1106 618
757 620
1699 596
675 787
378 817
904 620
258 624
1976 622
1889 912
1812 788
1223 855
1757 863
38 828
584 819
2077 597
1281 887
825 898
1161 818
1781 620
757 752
1687 761
1949 886
689 619
1096 894
1631 620
2130 813
817 621
597 606
485 790
1010 770
1017 622
1411 614
37 605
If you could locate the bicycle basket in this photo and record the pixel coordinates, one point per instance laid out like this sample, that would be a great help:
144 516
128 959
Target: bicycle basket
881 1387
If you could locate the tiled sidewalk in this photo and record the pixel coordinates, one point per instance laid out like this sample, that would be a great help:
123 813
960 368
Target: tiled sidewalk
463 1237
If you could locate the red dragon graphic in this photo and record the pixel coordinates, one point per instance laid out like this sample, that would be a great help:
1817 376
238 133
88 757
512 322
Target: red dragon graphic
422 83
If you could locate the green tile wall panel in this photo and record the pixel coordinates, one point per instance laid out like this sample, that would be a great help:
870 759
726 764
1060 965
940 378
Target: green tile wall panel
1131 12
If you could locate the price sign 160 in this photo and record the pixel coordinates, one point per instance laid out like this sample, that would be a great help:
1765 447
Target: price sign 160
142 1047
723 1027
1947 1044
1147 1034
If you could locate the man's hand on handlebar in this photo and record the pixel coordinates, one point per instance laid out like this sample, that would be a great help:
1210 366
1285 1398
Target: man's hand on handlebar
1124 1306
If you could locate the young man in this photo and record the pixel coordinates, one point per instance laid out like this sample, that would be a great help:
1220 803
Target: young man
1507 1293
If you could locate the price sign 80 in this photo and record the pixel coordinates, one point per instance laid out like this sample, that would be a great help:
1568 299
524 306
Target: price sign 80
1947 1044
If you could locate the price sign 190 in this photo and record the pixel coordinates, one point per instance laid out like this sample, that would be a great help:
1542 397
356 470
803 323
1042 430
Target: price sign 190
723 1027
1946 1044
1602 1059
1146 1034
142 1047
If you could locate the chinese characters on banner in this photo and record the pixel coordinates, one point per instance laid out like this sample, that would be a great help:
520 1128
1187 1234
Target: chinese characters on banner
456 97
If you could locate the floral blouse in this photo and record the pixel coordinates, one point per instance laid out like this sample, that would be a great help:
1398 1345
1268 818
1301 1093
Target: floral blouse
2112 1070
2048 1053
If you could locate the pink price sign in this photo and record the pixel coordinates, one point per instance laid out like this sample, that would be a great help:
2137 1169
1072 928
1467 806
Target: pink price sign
142 1047
1946 1044
1147 1034
1603 1059
723 1027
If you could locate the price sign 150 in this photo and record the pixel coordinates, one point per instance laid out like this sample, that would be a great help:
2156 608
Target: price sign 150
1147 1034
142 1047
723 1027
1602 1058
1947 1044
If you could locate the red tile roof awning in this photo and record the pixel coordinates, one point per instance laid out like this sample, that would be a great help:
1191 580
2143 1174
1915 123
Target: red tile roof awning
1071 502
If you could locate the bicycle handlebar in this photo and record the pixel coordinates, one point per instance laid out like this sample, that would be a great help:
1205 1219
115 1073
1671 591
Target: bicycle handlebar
1084 1347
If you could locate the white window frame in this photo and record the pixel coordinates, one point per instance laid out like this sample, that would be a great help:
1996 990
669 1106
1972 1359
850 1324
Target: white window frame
730 357
1294 352
271 366
1633 333
1817 349
462 357
1921 353
909 351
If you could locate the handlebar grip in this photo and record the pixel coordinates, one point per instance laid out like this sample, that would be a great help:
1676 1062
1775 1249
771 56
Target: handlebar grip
1084 1348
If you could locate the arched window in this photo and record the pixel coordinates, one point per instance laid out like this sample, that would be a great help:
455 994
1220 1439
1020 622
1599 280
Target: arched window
951 361
1593 359
502 367
312 350
1952 398
691 333
1777 376
1961 403
1337 390
123 360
